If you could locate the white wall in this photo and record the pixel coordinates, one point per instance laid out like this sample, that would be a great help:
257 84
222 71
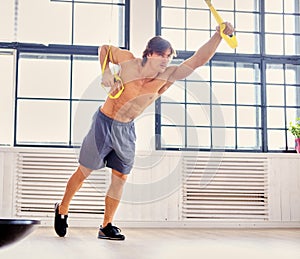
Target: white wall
142 24
142 28
284 182
7 183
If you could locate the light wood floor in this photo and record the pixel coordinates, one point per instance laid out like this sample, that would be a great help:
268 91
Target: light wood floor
167 243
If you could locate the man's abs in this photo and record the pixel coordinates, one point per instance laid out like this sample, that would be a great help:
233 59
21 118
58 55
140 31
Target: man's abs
127 111
136 97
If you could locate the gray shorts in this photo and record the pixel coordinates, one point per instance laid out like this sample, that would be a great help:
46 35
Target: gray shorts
108 143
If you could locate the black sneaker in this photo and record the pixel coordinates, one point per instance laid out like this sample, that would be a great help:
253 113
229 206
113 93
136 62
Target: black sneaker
60 222
110 232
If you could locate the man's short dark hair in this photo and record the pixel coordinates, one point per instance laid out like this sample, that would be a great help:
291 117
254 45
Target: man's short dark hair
157 45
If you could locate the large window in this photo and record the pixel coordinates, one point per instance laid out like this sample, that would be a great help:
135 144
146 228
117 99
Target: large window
244 98
56 96
71 22
50 67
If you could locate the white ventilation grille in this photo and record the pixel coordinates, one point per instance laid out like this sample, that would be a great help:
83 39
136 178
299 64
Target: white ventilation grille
41 178
225 188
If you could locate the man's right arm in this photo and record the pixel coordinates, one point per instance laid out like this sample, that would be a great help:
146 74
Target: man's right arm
107 76
116 56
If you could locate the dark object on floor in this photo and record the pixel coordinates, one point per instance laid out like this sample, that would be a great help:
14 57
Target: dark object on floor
13 230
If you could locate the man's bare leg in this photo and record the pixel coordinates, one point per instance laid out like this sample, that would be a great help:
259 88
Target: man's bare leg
112 200
113 196
74 184
61 210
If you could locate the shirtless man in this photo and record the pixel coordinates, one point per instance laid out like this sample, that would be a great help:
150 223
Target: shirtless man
111 139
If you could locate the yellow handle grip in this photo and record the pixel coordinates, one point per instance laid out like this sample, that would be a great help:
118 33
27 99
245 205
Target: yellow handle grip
230 40
117 95
116 76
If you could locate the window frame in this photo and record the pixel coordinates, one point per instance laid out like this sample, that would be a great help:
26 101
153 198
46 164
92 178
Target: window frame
57 49
262 58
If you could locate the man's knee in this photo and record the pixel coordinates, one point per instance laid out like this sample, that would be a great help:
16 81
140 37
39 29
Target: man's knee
119 175
85 171
115 189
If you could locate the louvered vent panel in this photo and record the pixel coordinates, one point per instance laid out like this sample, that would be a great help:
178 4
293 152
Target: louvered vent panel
41 179
225 188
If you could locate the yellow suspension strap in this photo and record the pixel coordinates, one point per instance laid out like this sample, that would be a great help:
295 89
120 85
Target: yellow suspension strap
117 79
230 40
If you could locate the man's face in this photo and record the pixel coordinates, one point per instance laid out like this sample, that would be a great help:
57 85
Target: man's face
161 60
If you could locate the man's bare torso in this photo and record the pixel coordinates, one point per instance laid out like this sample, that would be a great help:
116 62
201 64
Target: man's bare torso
138 93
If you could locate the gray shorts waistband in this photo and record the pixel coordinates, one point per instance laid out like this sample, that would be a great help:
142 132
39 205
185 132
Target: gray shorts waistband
112 121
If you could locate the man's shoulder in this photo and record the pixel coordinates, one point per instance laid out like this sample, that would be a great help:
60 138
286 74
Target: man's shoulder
168 72
131 61
123 55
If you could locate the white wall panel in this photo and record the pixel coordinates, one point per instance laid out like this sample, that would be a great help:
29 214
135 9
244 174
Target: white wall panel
284 186
154 193
7 186
2 182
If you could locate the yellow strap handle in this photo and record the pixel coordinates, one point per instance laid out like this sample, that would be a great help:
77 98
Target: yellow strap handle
116 76
230 40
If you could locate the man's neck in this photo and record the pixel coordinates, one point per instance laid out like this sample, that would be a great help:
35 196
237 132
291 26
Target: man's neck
147 72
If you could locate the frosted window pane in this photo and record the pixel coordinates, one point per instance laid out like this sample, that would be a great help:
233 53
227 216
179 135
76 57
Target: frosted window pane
198 138
44 76
36 23
87 79
275 118
275 6
248 139
248 117
101 24
169 20
275 95
43 122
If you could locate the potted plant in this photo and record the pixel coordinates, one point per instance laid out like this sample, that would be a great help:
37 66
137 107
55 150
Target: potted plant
295 130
